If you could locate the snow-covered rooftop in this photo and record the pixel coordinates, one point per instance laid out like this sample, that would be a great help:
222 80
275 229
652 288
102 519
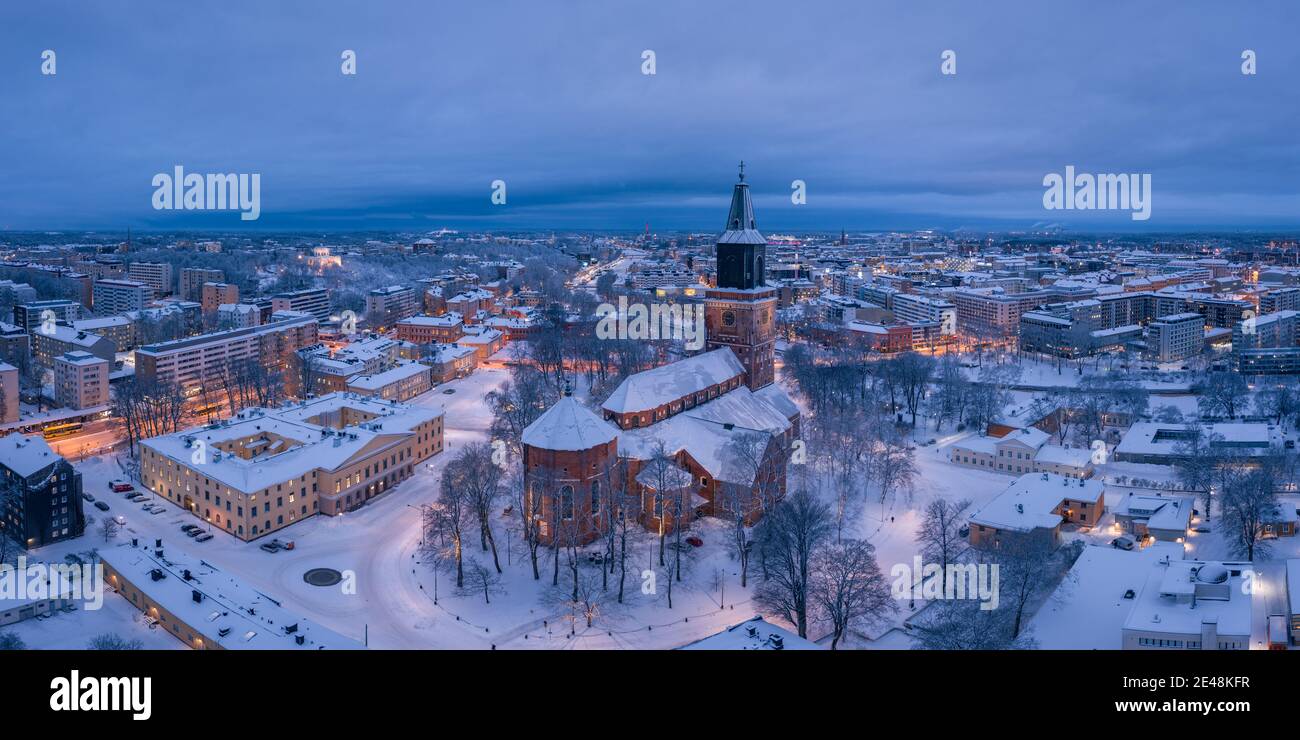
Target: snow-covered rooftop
1088 609
24 455
316 440
378 381
1028 502
1180 595
568 425
229 612
754 634
653 388
1160 511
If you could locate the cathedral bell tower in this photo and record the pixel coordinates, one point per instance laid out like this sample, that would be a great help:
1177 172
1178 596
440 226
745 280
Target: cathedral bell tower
740 312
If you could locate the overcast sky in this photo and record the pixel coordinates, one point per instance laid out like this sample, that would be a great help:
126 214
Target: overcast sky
550 98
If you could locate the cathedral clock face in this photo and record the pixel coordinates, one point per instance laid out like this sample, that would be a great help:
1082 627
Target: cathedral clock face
728 318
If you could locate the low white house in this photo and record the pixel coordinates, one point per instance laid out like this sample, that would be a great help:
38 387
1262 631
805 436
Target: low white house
1022 451
1164 517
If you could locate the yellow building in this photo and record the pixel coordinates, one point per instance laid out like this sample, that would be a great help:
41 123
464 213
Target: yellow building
265 469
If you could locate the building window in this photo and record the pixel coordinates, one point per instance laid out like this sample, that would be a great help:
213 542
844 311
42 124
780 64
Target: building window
595 497
566 502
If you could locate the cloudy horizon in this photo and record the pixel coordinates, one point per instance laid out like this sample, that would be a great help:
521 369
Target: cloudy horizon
551 99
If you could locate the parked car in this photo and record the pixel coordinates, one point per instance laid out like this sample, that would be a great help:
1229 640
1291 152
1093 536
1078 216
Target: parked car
88 497
448 391
120 486
282 544
694 541
203 537
270 547
190 527
1201 530
101 506
194 532
1124 542
156 510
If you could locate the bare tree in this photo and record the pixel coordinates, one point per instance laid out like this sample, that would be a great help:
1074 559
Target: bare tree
481 579
1248 504
940 533
518 403
481 479
108 528
110 641
847 586
789 535
454 510
895 467
960 624
1222 394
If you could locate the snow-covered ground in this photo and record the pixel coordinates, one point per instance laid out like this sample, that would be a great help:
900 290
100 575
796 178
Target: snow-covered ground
392 604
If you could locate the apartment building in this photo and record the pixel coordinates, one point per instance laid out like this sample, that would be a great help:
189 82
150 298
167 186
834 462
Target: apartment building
1268 344
470 302
9 408
216 294
315 301
15 345
450 362
402 382
65 339
120 330
1280 299
81 380
388 305
29 316
119 296
994 313
649 276
911 307
238 316
46 505
1176 337
266 469
204 359
193 278
12 293
442 329
157 275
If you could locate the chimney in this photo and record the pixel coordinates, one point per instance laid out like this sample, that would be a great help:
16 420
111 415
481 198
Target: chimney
1210 633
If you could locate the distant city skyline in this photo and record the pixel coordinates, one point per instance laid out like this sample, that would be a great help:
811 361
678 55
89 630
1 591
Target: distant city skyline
551 100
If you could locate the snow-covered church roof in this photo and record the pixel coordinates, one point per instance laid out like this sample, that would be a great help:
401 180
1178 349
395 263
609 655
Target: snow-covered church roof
568 426
707 433
653 388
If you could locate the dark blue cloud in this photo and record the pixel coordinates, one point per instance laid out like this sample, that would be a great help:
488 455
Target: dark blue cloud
549 97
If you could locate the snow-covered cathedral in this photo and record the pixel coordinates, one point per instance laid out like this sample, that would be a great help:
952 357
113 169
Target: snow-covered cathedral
708 435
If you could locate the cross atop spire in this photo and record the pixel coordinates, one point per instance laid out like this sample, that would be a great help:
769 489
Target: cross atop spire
742 170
